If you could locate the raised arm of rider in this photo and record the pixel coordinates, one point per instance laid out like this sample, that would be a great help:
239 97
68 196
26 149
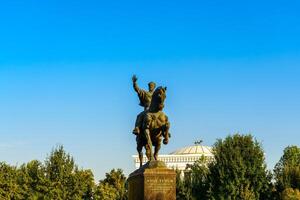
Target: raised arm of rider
136 87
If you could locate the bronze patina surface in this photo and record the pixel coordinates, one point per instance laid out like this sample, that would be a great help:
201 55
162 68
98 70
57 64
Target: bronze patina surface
152 124
152 181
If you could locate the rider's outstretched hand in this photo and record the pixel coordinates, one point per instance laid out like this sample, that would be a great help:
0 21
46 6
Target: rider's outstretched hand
134 78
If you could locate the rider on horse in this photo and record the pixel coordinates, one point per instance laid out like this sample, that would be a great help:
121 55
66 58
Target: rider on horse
145 100
151 124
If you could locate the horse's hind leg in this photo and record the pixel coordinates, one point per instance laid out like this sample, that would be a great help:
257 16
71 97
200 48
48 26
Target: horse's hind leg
140 152
139 149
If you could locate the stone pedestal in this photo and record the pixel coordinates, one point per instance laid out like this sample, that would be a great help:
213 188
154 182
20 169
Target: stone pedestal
153 181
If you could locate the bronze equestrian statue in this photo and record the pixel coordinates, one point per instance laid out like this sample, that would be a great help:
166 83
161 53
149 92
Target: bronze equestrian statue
151 124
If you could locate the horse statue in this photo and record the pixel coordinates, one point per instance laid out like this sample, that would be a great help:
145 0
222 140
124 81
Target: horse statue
154 126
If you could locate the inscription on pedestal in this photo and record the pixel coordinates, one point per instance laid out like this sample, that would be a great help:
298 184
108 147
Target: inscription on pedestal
157 183
160 187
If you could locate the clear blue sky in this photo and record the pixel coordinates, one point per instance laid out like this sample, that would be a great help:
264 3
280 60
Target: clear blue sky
66 67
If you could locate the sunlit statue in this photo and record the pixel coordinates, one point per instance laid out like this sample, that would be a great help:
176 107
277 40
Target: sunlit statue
151 124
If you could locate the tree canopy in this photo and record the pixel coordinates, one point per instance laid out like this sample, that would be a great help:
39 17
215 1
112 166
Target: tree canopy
237 172
57 178
287 171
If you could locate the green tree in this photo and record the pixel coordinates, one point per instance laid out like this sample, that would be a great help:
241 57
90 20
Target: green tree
58 178
183 187
8 182
83 184
238 170
290 194
105 191
291 156
66 180
199 172
287 170
113 186
32 180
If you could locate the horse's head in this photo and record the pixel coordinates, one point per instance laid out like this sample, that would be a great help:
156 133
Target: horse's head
158 99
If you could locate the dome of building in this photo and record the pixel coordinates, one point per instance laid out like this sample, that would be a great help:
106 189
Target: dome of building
183 157
195 149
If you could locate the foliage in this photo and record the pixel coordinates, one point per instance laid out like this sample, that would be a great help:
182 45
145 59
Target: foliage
199 178
66 180
238 170
194 184
183 187
287 170
58 178
32 180
112 187
291 156
106 191
8 182
290 194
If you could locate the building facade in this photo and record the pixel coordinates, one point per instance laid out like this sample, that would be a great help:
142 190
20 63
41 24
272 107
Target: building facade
181 158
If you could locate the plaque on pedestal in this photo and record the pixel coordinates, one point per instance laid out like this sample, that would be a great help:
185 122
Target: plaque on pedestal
153 181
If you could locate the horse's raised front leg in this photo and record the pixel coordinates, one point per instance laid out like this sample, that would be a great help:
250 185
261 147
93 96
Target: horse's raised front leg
166 133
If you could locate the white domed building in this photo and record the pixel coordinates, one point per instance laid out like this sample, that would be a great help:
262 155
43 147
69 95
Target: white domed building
182 157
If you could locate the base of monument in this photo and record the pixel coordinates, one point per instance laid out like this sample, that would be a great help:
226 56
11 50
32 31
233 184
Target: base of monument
153 181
